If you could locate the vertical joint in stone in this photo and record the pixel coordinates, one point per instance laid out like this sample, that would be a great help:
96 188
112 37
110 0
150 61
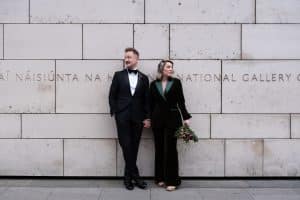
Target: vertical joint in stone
29 12
221 89
254 11
21 125
241 43
133 30
290 125
55 86
82 41
169 41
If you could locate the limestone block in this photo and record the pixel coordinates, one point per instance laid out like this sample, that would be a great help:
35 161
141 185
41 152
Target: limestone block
16 11
83 86
205 41
200 11
271 41
31 157
243 158
205 158
281 157
90 157
28 86
250 126
106 41
10 126
261 86
93 11
277 11
295 126
200 124
43 41
152 40
68 126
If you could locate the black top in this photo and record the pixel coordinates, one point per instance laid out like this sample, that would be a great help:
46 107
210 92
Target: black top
166 107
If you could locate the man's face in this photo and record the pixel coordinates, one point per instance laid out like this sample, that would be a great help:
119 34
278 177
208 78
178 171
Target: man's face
130 59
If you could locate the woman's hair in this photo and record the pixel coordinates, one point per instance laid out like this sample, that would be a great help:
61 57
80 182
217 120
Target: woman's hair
160 68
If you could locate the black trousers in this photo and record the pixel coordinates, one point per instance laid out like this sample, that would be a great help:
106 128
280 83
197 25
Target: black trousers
129 134
166 156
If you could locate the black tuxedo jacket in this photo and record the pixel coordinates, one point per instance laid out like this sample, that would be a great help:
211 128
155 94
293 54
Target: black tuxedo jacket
123 104
166 107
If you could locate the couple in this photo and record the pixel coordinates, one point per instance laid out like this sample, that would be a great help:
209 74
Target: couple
135 106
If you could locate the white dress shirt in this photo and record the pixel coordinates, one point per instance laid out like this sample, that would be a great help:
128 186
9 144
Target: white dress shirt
133 79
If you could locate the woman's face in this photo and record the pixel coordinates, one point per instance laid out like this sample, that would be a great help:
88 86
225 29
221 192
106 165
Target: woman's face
168 69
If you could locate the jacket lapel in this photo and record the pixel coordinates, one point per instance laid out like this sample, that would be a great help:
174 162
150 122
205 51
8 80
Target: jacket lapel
159 88
158 85
139 82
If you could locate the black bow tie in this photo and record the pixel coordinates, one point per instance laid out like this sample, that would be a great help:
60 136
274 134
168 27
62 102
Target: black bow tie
132 71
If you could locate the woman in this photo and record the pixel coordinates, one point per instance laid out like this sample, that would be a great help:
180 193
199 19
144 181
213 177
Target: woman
167 112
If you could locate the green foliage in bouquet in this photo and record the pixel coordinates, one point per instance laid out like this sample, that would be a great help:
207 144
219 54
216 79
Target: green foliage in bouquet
186 133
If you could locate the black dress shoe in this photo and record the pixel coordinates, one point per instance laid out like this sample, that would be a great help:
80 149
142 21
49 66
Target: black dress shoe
140 183
128 184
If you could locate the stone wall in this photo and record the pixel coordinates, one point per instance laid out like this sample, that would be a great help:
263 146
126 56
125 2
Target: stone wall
239 62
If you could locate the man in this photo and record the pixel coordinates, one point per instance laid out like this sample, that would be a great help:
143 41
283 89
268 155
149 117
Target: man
129 103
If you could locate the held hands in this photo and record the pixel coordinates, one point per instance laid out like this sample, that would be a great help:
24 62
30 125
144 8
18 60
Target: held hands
187 122
147 123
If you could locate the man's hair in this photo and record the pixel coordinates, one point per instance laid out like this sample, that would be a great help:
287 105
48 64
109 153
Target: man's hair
132 50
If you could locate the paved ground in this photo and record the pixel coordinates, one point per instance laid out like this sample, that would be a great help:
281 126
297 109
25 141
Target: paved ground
94 189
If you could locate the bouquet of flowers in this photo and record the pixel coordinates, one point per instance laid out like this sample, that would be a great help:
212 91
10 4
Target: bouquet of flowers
186 133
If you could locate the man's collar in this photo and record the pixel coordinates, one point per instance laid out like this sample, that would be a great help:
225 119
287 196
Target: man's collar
135 68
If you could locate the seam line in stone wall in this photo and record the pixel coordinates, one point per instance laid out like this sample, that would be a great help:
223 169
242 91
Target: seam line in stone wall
187 59
55 96
65 139
206 139
63 149
172 23
185 177
250 113
221 89
238 59
82 42
144 11
283 114
290 126
246 138
29 12
210 126
3 40
32 113
169 41
263 157
182 23
21 125
254 11
133 33
224 143
241 43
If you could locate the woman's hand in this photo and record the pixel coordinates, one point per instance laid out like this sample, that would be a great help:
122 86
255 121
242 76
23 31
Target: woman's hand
187 122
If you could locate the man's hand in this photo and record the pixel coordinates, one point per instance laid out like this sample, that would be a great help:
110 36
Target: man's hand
147 123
